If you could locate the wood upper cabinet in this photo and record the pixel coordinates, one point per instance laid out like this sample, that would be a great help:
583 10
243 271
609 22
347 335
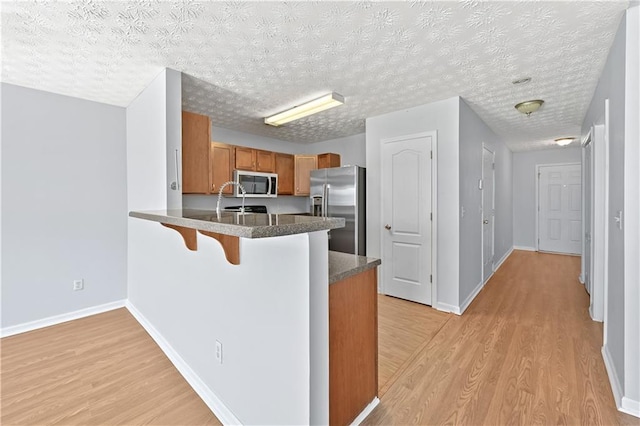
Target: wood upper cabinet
255 160
196 137
328 160
265 161
303 166
285 170
222 162
245 158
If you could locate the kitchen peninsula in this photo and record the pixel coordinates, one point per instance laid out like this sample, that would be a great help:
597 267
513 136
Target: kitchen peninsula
267 324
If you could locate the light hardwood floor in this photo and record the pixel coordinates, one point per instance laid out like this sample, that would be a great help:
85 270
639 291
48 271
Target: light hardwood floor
100 370
403 329
525 352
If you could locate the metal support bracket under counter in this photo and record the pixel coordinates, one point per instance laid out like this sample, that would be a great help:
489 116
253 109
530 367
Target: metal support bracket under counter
228 227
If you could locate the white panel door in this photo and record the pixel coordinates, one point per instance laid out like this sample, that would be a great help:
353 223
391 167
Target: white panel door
488 215
406 215
560 208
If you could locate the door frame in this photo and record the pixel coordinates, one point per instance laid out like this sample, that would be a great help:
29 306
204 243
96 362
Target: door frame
493 210
586 141
537 207
434 208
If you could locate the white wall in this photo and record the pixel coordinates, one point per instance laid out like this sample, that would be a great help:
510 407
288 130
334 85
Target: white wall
611 85
441 116
259 310
64 212
473 133
352 149
524 189
173 121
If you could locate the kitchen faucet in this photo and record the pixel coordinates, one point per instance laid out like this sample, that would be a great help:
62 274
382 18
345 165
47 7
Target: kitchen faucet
220 195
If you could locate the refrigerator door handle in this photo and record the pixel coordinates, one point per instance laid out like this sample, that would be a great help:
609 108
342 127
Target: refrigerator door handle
324 200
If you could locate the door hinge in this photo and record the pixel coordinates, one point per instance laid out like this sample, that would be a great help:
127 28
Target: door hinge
431 155
493 166
430 278
430 216
538 175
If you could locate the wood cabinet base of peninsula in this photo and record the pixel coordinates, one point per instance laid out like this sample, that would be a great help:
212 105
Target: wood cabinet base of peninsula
353 346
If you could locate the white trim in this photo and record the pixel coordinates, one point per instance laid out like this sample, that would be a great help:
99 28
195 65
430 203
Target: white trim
599 217
445 307
605 316
630 406
616 388
213 402
501 261
473 295
537 206
367 410
434 210
525 248
59 319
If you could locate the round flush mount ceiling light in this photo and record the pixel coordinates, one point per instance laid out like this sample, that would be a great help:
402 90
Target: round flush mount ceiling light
564 141
527 107
524 80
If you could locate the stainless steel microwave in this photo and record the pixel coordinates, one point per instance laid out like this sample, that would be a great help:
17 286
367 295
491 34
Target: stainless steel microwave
256 184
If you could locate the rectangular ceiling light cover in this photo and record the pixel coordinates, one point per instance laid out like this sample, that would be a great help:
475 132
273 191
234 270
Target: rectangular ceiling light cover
324 102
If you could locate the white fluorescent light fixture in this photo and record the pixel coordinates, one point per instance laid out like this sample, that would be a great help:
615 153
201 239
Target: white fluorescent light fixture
324 102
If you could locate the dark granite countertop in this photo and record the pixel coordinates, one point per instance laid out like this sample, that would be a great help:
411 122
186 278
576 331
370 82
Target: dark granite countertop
345 265
247 225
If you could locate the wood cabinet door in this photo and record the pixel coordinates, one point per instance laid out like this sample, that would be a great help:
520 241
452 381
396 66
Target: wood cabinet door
196 132
328 160
303 166
245 158
222 161
265 161
285 170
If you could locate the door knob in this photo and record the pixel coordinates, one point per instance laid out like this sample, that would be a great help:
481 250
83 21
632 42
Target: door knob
486 221
387 227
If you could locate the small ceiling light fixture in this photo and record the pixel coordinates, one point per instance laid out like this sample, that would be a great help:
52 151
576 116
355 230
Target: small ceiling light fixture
320 104
564 141
521 80
527 107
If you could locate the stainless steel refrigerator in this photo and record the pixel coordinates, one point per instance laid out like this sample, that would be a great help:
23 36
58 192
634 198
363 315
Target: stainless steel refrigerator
340 192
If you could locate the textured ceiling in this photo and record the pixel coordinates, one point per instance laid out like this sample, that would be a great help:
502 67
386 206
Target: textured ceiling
247 60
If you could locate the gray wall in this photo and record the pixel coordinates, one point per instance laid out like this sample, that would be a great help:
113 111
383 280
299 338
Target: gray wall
352 149
473 133
64 204
441 116
524 189
612 86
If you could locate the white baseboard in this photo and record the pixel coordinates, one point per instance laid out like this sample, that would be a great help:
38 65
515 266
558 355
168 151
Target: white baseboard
59 319
472 296
501 261
213 402
616 388
525 248
445 307
630 406
367 410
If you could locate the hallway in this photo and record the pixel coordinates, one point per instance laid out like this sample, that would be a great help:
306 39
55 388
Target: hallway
524 352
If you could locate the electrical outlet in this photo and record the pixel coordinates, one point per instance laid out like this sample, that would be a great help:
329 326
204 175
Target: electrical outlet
219 352
78 285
